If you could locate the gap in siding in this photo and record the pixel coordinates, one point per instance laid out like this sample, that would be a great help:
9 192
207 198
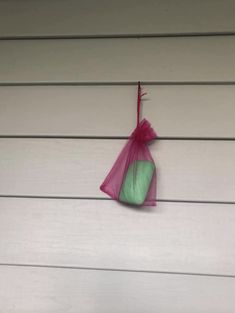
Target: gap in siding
109 199
114 270
118 36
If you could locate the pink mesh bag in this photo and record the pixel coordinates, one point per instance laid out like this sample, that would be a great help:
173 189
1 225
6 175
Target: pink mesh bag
132 179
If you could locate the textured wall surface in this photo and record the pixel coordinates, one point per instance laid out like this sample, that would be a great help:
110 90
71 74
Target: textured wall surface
68 75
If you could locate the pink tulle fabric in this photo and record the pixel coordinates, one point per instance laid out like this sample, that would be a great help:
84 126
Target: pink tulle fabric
136 149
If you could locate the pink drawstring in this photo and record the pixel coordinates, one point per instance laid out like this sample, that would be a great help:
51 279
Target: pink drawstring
139 96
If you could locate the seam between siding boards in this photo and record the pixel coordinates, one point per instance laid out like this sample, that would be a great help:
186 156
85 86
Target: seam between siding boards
115 270
116 83
118 36
113 137
109 199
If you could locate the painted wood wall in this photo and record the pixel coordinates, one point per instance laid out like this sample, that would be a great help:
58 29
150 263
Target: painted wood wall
68 73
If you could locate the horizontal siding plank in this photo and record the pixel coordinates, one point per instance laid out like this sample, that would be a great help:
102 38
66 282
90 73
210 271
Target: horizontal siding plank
146 59
114 17
66 111
53 290
174 237
187 170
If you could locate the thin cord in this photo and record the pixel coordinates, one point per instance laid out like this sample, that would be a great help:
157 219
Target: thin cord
139 96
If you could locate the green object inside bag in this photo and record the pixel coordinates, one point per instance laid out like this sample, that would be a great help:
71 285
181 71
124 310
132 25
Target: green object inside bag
137 181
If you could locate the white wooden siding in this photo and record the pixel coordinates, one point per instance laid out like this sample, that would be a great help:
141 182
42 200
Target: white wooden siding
105 17
175 237
78 110
97 60
62 290
187 170
66 247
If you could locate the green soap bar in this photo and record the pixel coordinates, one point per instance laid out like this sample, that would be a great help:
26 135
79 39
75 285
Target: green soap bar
136 184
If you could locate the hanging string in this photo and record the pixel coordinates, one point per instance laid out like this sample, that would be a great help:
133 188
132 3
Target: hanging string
139 96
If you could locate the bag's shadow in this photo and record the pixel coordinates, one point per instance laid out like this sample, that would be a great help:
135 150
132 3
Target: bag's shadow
139 209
